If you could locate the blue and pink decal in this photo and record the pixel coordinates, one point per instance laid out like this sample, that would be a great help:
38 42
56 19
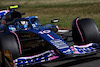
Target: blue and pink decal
83 49
55 41
43 57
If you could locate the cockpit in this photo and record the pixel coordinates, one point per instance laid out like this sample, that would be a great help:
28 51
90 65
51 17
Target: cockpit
25 23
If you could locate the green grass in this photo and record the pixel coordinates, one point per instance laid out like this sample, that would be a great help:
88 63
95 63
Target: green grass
65 10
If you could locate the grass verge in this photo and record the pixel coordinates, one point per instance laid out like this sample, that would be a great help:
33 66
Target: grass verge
65 10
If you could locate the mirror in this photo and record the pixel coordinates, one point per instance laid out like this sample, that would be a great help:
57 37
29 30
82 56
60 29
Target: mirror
55 21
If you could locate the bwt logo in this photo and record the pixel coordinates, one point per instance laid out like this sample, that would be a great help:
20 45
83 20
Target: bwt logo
24 61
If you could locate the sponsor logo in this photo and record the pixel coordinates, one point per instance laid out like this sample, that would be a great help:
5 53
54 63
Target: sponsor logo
62 46
85 49
23 61
67 51
59 44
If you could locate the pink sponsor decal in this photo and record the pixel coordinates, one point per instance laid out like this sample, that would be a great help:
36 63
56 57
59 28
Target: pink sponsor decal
87 45
79 30
18 41
57 27
7 11
72 48
54 57
76 52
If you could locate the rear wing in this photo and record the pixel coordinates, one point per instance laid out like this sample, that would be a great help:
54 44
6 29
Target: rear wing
3 12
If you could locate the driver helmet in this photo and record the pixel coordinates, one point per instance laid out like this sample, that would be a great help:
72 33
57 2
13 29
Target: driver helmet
23 24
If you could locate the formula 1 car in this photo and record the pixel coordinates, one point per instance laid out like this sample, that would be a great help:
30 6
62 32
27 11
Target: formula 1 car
26 42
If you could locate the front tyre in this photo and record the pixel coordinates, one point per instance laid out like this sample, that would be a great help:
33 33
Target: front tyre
9 49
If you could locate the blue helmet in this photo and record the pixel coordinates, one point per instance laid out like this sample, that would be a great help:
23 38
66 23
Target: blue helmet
22 24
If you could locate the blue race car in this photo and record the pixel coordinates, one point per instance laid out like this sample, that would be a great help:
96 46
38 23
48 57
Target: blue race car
26 42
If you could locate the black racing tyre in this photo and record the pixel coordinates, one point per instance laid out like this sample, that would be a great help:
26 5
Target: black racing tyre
88 30
8 43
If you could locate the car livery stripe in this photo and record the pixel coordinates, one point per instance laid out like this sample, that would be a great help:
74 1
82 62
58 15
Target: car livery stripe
50 36
18 41
79 30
